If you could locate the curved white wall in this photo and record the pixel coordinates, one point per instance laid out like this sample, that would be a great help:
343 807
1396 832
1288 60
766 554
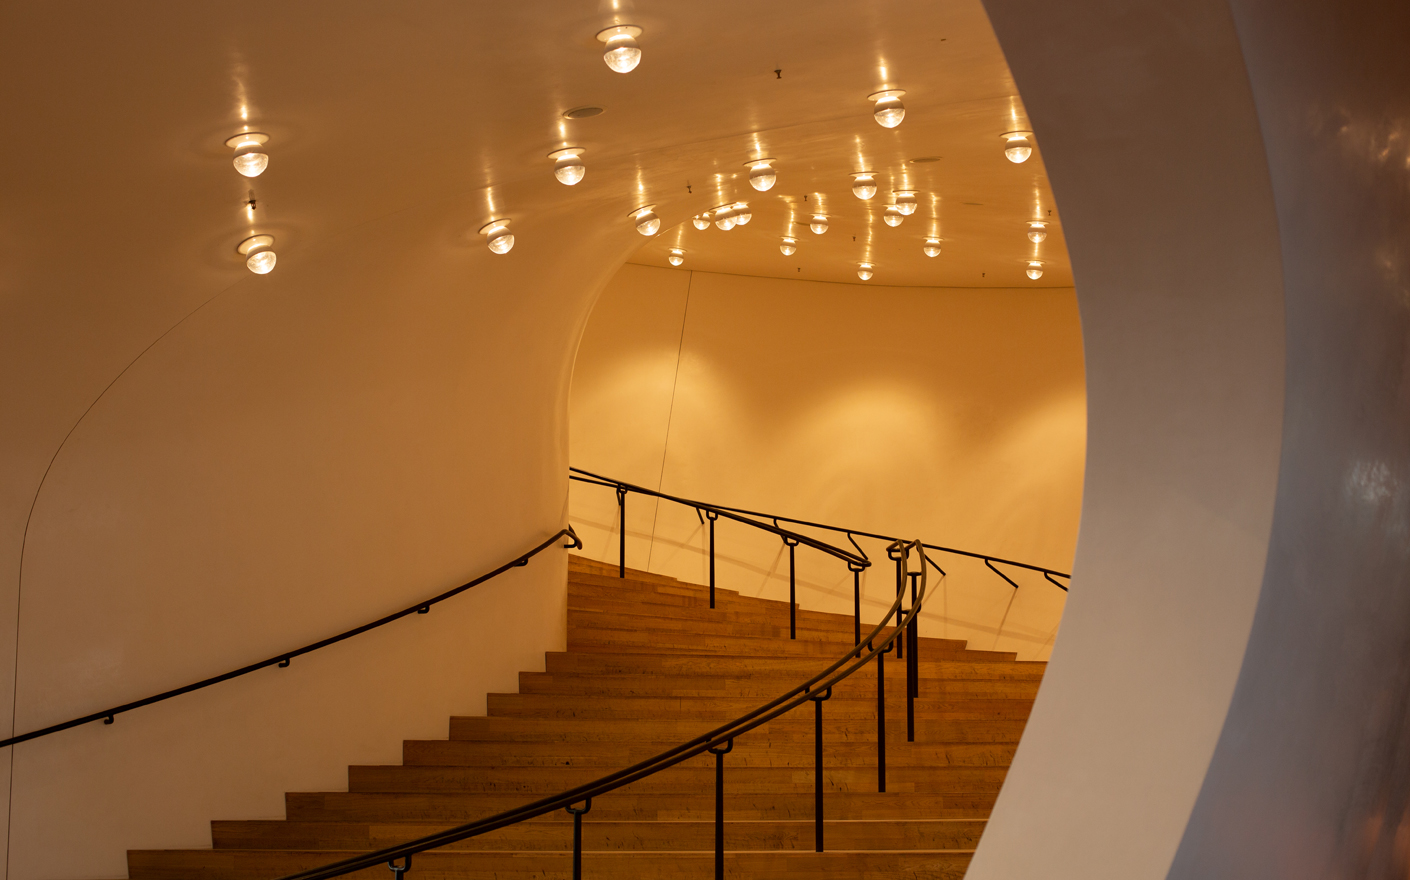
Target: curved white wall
953 415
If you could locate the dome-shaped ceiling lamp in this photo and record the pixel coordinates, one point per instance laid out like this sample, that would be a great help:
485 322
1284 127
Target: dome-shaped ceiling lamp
818 224
701 221
889 110
788 247
725 217
647 223
742 215
893 216
1018 146
676 257
1035 269
762 175
864 271
568 165
258 251
1037 231
932 247
863 184
622 53
498 236
250 157
905 200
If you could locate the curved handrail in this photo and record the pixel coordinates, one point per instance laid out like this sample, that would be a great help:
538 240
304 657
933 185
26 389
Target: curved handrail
282 660
723 510
796 696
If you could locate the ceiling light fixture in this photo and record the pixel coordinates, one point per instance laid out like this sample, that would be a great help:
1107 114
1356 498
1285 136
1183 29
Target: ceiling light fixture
258 251
762 175
568 165
863 185
622 53
677 257
1017 146
932 247
864 271
701 221
250 157
1035 269
893 216
818 224
647 223
725 217
1037 231
498 236
582 113
905 200
742 214
889 110
788 247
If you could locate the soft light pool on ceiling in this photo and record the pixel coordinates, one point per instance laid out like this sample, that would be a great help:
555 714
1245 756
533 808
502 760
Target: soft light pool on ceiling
701 221
818 224
1035 269
568 165
893 216
742 215
932 247
1017 146
905 200
647 223
1037 231
258 251
889 110
498 236
864 271
762 175
250 157
863 185
622 53
788 247
676 257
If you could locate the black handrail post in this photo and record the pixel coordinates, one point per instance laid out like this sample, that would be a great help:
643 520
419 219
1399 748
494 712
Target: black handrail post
621 531
719 754
818 770
856 602
912 666
899 553
881 720
792 590
712 516
578 837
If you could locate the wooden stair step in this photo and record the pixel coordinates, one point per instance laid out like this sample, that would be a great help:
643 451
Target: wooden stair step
796 669
705 687
748 752
479 727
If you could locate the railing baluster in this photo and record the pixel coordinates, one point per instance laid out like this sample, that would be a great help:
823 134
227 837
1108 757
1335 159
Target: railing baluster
578 837
712 516
719 754
881 720
900 557
792 590
856 602
621 531
818 769
912 667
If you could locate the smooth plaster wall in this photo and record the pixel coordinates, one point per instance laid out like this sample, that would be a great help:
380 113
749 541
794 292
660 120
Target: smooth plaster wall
954 415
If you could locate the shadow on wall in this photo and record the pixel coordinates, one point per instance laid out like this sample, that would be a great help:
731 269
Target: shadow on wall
955 416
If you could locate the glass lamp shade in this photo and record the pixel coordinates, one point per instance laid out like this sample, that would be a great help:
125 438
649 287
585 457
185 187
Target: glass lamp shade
569 169
501 242
931 248
1035 270
742 215
893 216
725 219
906 202
701 221
863 186
1017 148
261 262
864 271
762 176
1037 232
252 163
889 110
676 257
647 223
622 54
788 247
818 224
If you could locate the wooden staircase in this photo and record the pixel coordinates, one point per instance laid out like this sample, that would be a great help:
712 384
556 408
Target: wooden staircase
650 665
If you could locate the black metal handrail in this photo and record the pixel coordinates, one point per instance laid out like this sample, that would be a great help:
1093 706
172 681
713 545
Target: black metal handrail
718 741
282 660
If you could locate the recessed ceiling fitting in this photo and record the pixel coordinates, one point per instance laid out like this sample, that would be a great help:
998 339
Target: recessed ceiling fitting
622 53
258 251
1018 146
921 160
863 184
568 165
582 112
647 223
250 157
498 236
889 110
677 256
762 175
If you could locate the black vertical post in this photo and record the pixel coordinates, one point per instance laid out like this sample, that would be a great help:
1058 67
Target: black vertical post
578 837
818 770
711 516
719 754
900 588
912 667
621 532
792 590
881 721
856 603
